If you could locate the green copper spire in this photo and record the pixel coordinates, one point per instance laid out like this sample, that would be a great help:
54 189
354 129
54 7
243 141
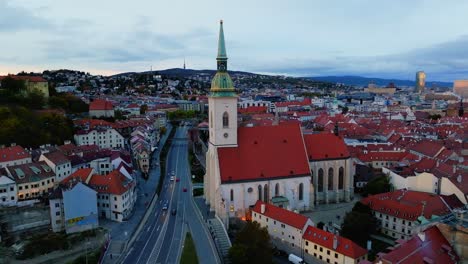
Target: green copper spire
221 45
222 85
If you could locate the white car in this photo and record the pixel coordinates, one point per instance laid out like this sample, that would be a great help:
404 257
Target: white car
172 178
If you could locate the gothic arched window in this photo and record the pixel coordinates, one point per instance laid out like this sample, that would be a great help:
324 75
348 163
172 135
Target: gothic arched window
225 120
265 193
232 195
330 179
320 180
340 178
260 192
301 192
277 189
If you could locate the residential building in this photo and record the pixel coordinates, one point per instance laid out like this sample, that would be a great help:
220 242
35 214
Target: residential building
101 108
33 179
403 213
116 195
331 248
285 227
428 246
13 155
59 163
8 191
73 205
104 138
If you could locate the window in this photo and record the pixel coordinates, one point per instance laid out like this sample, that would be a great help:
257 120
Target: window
211 119
115 198
277 189
320 180
394 219
321 249
340 178
336 255
115 206
328 252
57 205
225 120
260 192
57 213
315 246
232 195
12 188
307 243
330 179
20 188
301 192
265 193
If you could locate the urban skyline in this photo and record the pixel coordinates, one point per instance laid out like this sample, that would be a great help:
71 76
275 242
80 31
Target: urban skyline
309 39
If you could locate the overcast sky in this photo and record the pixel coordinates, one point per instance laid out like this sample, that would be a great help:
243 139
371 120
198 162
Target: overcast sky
393 38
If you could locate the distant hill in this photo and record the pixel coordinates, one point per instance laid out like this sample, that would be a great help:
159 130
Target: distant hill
364 81
178 72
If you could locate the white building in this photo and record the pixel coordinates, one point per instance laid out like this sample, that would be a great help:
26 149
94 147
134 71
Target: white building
8 191
116 195
283 226
59 163
104 138
13 155
401 213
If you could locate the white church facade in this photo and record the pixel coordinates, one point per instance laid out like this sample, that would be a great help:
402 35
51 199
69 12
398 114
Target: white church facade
267 163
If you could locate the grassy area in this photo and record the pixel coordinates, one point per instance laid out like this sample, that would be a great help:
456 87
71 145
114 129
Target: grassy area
189 255
163 158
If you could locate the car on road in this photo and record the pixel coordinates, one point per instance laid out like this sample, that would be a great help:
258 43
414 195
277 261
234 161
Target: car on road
177 179
165 206
185 189
172 178
174 211
172 173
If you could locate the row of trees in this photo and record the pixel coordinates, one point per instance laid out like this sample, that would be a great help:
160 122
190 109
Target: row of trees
29 129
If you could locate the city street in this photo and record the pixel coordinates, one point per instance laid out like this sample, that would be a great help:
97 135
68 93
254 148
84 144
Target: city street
161 239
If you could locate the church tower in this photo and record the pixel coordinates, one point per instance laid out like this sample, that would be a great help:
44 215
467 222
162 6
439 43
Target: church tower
222 116
222 102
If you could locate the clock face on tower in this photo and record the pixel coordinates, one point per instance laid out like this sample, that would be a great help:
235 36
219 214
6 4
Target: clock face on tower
226 135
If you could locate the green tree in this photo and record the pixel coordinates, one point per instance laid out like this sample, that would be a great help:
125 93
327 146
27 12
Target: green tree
12 86
118 115
252 245
359 224
143 109
377 185
162 130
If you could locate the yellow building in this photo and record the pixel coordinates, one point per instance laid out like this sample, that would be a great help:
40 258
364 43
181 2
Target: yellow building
32 83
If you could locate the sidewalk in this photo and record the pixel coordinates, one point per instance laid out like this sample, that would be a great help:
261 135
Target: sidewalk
146 188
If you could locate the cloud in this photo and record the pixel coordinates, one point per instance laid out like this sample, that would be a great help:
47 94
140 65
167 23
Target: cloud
15 18
444 61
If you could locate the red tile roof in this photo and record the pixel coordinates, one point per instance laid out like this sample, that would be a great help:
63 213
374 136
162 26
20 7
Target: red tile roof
433 249
325 146
82 175
282 215
407 205
325 239
113 183
253 109
100 104
264 152
13 153
382 156
56 157
427 148
24 78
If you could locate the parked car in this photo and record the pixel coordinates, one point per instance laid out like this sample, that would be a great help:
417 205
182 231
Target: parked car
172 178
165 206
177 179
174 211
185 190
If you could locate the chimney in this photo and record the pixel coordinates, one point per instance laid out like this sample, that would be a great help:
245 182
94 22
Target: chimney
454 169
13 144
335 242
262 208
459 178
422 236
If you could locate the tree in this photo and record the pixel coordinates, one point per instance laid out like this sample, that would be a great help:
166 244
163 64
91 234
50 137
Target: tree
377 185
162 130
359 224
12 86
118 115
252 245
143 109
320 225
